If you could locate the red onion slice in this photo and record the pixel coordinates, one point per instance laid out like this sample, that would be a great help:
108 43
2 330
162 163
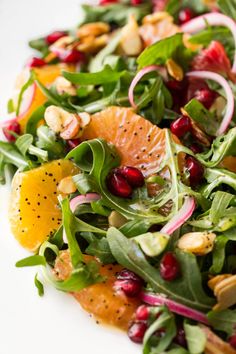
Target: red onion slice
137 78
83 199
212 19
182 215
157 299
228 92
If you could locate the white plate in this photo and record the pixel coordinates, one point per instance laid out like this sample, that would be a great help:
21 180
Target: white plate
55 323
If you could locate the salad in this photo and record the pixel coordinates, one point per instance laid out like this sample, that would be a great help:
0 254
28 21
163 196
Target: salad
121 142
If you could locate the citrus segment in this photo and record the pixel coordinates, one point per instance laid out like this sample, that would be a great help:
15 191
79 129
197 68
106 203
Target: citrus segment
101 300
34 212
139 143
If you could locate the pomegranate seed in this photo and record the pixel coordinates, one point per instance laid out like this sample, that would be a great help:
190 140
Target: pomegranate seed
142 313
206 97
72 56
54 36
196 149
72 143
133 176
36 62
195 169
169 267
130 287
232 341
11 127
180 337
136 2
136 331
185 15
118 186
107 2
181 126
127 275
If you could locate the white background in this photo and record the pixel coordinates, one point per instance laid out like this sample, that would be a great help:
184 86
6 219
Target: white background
55 323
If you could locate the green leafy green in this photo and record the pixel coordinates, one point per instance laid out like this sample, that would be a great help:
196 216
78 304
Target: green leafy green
39 44
216 177
223 320
218 254
100 249
228 7
186 290
196 338
39 285
47 140
28 83
31 261
35 118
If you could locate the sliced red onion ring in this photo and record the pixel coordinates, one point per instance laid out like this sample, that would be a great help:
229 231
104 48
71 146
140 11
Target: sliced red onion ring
182 215
137 78
212 19
157 299
228 92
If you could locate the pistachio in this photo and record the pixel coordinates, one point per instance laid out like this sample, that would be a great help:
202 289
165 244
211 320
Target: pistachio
67 186
63 85
130 42
93 29
116 219
174 70
198 243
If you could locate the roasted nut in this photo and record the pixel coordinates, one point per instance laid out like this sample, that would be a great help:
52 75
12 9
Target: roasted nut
63 85
225 291
93 29
92 44
130 41
69 125
116 219
67 186
174 70
63 43
198 243
214 344
156 17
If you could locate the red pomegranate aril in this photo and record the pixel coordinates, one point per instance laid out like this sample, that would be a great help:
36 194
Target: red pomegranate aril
72 143
195 170
130 287
181 126
54 36
169 267
180 337
206 97
232 341
118 186
137 331
196 149
108 2
128 274
142 313
133 176
72 56
185 15
36 62
11 127
136 2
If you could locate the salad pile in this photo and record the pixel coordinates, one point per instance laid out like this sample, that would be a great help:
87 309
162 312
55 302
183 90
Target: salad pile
122 142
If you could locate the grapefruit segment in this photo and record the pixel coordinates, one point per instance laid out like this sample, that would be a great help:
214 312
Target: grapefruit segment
34 212
101 300
139 143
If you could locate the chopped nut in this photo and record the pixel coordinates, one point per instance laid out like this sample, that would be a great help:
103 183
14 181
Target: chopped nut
174 70
92 44
63 43
225 291
198 243
116 219
93 29
214 344
130 42
67 185
215 280
156 17
64 86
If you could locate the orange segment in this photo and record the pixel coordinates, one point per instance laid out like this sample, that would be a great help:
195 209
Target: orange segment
34 211
139 143
46 75
101 299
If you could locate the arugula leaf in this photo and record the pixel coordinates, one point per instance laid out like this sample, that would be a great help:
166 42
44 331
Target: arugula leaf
9 154
28 83
161 51
228 7
35 118
39 285
151 342
223 320
105 76
39 44
114 13
222 146
218 254
100 249
196 338
216 177
48 141
31 261
202 116
186 290
23 143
